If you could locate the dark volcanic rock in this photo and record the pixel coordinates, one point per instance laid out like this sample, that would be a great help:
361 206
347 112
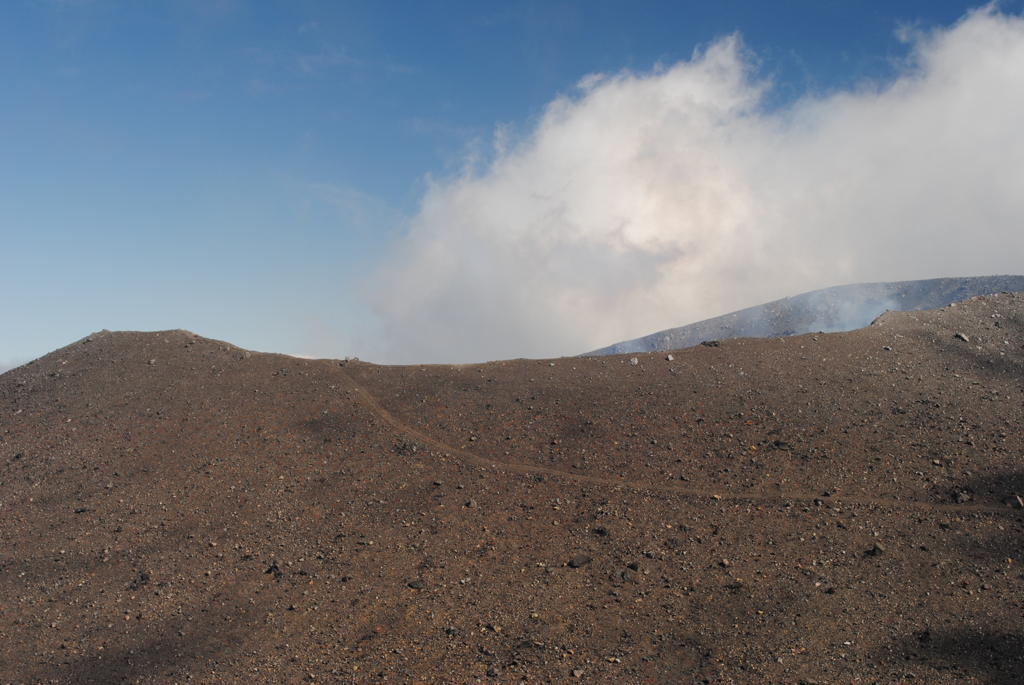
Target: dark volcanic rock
254 517
579 561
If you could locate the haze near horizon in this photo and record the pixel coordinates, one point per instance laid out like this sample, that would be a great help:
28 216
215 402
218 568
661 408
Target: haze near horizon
459 185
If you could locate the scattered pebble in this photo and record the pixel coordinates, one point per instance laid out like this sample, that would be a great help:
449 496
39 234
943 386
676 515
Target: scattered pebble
579 560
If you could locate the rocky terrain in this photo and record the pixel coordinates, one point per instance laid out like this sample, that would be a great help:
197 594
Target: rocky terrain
813 509
830 310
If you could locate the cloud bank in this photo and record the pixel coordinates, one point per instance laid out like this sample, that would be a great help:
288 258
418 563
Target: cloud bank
646 201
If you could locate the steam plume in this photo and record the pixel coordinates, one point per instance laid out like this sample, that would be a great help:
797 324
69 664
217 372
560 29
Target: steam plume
7 366
646 201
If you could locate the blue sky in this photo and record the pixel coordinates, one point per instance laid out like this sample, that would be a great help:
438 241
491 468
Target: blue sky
287 176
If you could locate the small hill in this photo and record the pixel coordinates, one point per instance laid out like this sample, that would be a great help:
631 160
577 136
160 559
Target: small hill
827 508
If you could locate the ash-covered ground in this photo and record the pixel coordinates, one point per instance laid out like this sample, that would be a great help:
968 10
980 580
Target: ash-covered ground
819 508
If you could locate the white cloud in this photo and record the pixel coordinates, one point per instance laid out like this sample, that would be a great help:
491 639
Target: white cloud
8 365
647 201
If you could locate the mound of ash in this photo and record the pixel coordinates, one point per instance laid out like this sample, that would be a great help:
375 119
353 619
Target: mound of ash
818 508
831 310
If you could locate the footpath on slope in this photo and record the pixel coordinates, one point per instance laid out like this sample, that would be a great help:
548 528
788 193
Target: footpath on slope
374 404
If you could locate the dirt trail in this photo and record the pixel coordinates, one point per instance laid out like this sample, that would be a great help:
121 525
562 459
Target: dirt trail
791 495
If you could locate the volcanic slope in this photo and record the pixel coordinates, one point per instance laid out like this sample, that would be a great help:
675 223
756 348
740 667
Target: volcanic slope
815 508
831 310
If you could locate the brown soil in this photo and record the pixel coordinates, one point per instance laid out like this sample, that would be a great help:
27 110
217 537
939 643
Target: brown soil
831 508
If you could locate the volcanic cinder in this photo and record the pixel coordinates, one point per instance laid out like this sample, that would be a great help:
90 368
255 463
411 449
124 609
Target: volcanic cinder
818 508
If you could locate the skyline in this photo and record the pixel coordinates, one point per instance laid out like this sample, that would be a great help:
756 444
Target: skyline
349 180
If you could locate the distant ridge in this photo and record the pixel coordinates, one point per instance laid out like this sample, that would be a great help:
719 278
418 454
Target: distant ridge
830 310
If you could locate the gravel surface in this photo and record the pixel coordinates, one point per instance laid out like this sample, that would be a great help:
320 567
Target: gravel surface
818 508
